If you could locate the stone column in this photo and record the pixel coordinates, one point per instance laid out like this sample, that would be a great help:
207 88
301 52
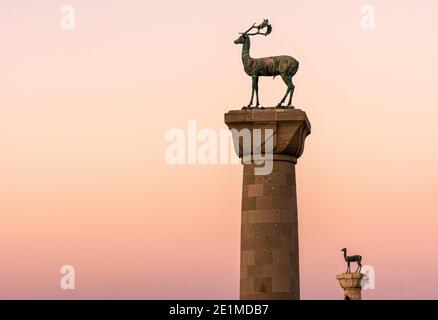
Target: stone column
351 283
269 266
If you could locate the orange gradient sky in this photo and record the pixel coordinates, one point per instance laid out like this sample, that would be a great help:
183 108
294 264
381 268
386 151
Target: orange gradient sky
83 115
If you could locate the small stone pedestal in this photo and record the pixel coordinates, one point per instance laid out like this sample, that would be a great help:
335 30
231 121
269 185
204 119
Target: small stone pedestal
351 283
269 264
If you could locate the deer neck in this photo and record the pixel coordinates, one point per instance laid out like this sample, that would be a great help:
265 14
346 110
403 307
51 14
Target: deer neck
345 254
245 51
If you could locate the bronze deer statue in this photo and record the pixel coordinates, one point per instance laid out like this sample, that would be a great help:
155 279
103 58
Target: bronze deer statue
348 259
285 66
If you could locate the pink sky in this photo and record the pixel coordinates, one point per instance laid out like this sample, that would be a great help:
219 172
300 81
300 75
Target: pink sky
83 115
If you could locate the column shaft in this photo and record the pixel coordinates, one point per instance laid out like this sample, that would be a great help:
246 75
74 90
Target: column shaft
269 235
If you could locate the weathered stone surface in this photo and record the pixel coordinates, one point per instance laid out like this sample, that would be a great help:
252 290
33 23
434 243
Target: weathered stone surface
262 285
269 232
281 285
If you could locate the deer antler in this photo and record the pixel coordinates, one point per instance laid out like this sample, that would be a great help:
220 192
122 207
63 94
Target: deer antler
264 24
252 27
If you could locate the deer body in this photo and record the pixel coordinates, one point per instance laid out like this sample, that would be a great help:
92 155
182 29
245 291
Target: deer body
268 66
285 66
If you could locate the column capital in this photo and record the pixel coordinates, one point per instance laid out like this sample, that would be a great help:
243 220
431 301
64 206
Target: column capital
290 128
351 283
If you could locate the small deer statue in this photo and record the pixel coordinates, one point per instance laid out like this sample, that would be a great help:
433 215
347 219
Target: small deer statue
348 259
284 66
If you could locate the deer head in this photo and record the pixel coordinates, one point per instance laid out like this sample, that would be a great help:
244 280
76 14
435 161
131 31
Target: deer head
244 35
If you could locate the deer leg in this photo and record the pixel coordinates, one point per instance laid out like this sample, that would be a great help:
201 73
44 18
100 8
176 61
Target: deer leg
291 93
252 97
288 82
359 266
256 86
